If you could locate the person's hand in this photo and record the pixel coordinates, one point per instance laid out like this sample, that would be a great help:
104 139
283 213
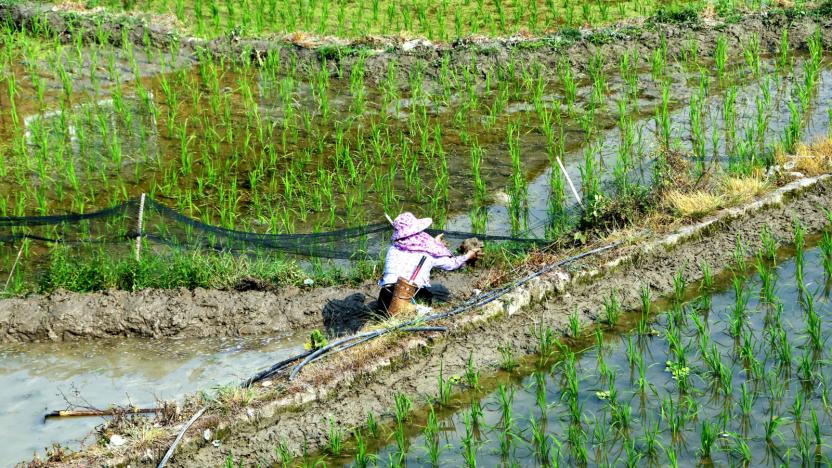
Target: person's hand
472 255
440 237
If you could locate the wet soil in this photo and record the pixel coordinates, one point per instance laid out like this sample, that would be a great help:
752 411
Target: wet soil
416 373
254 310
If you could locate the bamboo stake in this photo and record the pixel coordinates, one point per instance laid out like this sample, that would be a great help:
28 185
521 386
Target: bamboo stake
139 230
571 185
107 412
14 265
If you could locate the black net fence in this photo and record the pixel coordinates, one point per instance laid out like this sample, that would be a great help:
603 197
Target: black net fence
157 223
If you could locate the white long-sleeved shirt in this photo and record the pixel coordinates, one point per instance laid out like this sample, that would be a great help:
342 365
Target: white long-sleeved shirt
401 263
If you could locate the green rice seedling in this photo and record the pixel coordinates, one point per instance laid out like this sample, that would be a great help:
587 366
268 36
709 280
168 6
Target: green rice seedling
816 431
362 459
506 400
721 57
632 351
403 406
747 399
578 441
372 424
507 360
574 324
469 445
707 439
663 116
443 395
283 454
751 52
826 253
540 442
679 286
769 244
740 255
814 326
546 341
650 440
472 375
570 88
799 239
707 277
540 393
397 458
622 416
431 433
476 413
335 438
612 309
767 278
783 53
772 427
797 407
793 130
804 449
518 193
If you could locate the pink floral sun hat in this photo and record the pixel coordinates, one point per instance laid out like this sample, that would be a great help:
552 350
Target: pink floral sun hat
406 225
409 235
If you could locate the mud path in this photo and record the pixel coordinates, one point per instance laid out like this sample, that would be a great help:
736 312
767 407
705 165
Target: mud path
199 313
308 52
254 438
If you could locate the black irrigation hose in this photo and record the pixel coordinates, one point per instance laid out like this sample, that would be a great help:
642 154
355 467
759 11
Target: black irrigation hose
357 340
354 340
265 374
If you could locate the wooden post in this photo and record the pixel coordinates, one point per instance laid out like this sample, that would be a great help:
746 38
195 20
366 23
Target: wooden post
139 230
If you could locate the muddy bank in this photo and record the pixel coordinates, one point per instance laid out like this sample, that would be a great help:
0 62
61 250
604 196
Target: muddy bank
374 53
199 313
414 367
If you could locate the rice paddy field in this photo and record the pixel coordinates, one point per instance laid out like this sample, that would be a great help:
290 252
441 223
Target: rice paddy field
275 142
729 372
565 121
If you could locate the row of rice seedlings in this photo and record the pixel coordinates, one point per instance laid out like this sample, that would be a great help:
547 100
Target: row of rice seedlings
442 20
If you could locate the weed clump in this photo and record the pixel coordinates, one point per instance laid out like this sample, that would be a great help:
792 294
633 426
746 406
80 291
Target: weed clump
675 13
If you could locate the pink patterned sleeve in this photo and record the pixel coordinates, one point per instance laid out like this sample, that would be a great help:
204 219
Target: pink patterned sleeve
449 263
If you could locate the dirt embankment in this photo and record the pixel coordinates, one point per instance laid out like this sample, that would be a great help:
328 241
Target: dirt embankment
183 313
253 437
376 52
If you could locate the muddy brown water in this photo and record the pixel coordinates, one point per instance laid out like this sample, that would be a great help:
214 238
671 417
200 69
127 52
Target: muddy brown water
37 378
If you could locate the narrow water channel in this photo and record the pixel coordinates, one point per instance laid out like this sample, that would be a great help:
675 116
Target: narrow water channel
36 378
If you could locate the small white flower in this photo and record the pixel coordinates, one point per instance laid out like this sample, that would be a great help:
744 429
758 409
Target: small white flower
308 282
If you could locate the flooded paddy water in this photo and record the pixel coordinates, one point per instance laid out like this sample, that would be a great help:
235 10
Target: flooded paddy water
731 373
276 146
37 378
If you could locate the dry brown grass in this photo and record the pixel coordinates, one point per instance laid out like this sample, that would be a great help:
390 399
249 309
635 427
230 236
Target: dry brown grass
693 204
742 189
146 435
815 158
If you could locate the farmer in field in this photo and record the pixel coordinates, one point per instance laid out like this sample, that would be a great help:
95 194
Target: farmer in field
410 243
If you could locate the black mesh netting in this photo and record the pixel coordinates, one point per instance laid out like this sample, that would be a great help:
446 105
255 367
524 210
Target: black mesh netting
164 225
